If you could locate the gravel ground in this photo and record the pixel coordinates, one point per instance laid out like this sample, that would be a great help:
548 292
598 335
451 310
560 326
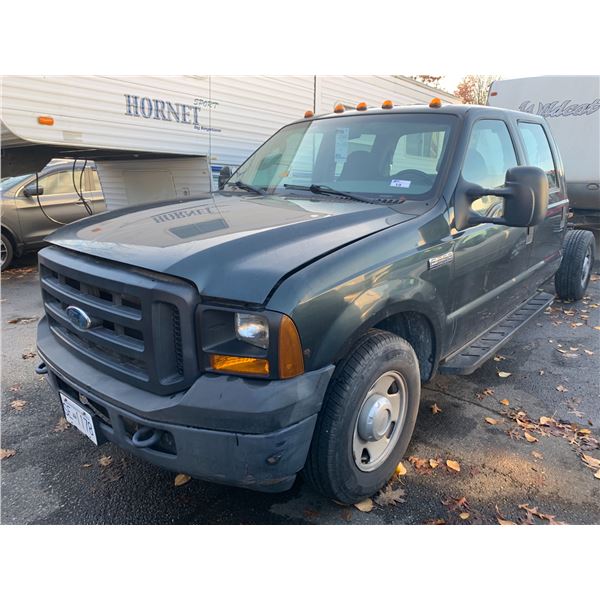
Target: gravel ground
55 476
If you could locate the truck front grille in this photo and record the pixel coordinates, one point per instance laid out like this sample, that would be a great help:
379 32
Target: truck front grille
135 332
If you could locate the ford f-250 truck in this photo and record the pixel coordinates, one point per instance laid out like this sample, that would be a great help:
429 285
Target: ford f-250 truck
285 323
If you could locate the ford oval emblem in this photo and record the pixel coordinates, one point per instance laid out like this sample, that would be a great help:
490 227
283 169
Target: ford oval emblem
78 317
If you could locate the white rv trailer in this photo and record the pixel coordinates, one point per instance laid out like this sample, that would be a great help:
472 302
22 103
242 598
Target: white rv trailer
163 137
571 105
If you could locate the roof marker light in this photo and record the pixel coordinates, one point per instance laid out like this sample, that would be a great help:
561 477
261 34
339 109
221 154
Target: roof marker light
435 103
309 114
361 106
387 104
45 120
493 93
339 108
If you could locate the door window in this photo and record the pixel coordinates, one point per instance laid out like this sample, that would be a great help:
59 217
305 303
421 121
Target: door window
94 182
59 183
490 154
537 150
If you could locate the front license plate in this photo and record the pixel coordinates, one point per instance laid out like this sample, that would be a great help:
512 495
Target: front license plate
79 417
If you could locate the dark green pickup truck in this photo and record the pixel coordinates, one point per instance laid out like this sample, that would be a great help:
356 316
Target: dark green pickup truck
286 322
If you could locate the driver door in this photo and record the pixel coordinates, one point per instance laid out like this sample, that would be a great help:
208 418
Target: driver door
489 259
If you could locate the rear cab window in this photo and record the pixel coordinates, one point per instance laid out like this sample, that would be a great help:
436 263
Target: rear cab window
537 150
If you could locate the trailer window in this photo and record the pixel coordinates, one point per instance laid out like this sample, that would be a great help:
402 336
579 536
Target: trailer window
537 150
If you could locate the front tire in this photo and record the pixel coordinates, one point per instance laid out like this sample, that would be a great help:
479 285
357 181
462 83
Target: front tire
7 252
367 419
572 278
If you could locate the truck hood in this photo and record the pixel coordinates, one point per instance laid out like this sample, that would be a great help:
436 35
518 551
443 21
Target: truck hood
230 246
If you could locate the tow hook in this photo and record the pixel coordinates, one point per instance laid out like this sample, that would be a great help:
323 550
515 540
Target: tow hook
145 436
41 369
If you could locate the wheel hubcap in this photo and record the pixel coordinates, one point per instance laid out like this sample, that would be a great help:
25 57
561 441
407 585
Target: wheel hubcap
380 421
587 264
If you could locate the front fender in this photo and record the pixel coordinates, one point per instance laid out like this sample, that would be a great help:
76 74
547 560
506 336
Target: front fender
336 299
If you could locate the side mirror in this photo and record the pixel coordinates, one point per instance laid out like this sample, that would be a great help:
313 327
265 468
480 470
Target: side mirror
224 175
525 194
30 190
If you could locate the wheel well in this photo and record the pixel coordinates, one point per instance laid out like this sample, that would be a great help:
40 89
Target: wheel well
11 237
417 330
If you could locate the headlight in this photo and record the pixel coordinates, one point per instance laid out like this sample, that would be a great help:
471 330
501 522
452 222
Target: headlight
252 329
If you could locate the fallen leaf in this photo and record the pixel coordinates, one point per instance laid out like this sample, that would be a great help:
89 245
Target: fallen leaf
6 453
597 474
18 405
504 374
27 355
561 388
588 352
546 420
105 461
530 438
23 320
390 497
537 455
535 512
464 515
365 505
181 479
418 463
433 463
505 521
62 425
590 461
453 465
400 469
86 465
541 371
505 402
584 432
435 409
597 327
435 522
491 421
499 357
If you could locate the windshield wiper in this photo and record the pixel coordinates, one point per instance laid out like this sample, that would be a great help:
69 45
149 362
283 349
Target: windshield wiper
325 189
248 187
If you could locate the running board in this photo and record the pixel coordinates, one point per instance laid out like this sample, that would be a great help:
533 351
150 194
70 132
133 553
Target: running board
471 357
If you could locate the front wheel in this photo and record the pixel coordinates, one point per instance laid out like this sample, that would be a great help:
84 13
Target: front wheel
572 278
367 419
7 252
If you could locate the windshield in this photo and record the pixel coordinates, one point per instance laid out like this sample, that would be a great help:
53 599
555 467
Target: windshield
387 156
8 182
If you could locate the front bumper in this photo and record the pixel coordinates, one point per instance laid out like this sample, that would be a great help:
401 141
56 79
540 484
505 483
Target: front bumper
226 429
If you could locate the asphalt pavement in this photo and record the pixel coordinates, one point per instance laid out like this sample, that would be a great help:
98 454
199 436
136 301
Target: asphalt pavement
518 430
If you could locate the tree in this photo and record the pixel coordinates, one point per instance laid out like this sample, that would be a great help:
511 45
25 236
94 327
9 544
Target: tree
473 89
432 80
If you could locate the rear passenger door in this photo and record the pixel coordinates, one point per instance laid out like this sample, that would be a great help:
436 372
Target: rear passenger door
547 236
489 259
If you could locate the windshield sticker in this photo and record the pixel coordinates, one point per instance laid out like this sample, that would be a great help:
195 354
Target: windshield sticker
341 144
401 183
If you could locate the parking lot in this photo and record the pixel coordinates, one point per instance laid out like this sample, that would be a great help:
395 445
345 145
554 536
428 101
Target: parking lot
514 442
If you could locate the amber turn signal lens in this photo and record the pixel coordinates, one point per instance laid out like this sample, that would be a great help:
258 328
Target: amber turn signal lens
387 104
309 114
361 106
291 361
239 364
45 120
339 108
435 103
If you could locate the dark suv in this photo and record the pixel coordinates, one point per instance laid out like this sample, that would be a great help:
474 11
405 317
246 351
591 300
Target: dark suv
25 223
286 322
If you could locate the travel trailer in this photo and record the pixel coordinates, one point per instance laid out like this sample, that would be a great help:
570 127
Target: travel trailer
571 105
158 138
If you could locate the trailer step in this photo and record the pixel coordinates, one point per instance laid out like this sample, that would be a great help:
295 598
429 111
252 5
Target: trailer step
471 357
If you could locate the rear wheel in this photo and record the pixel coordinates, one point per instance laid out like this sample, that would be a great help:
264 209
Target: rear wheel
7 252
572 278
367 419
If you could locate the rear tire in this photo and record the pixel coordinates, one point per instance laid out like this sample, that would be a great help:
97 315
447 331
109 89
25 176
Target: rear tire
572 278
375 389
8 252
